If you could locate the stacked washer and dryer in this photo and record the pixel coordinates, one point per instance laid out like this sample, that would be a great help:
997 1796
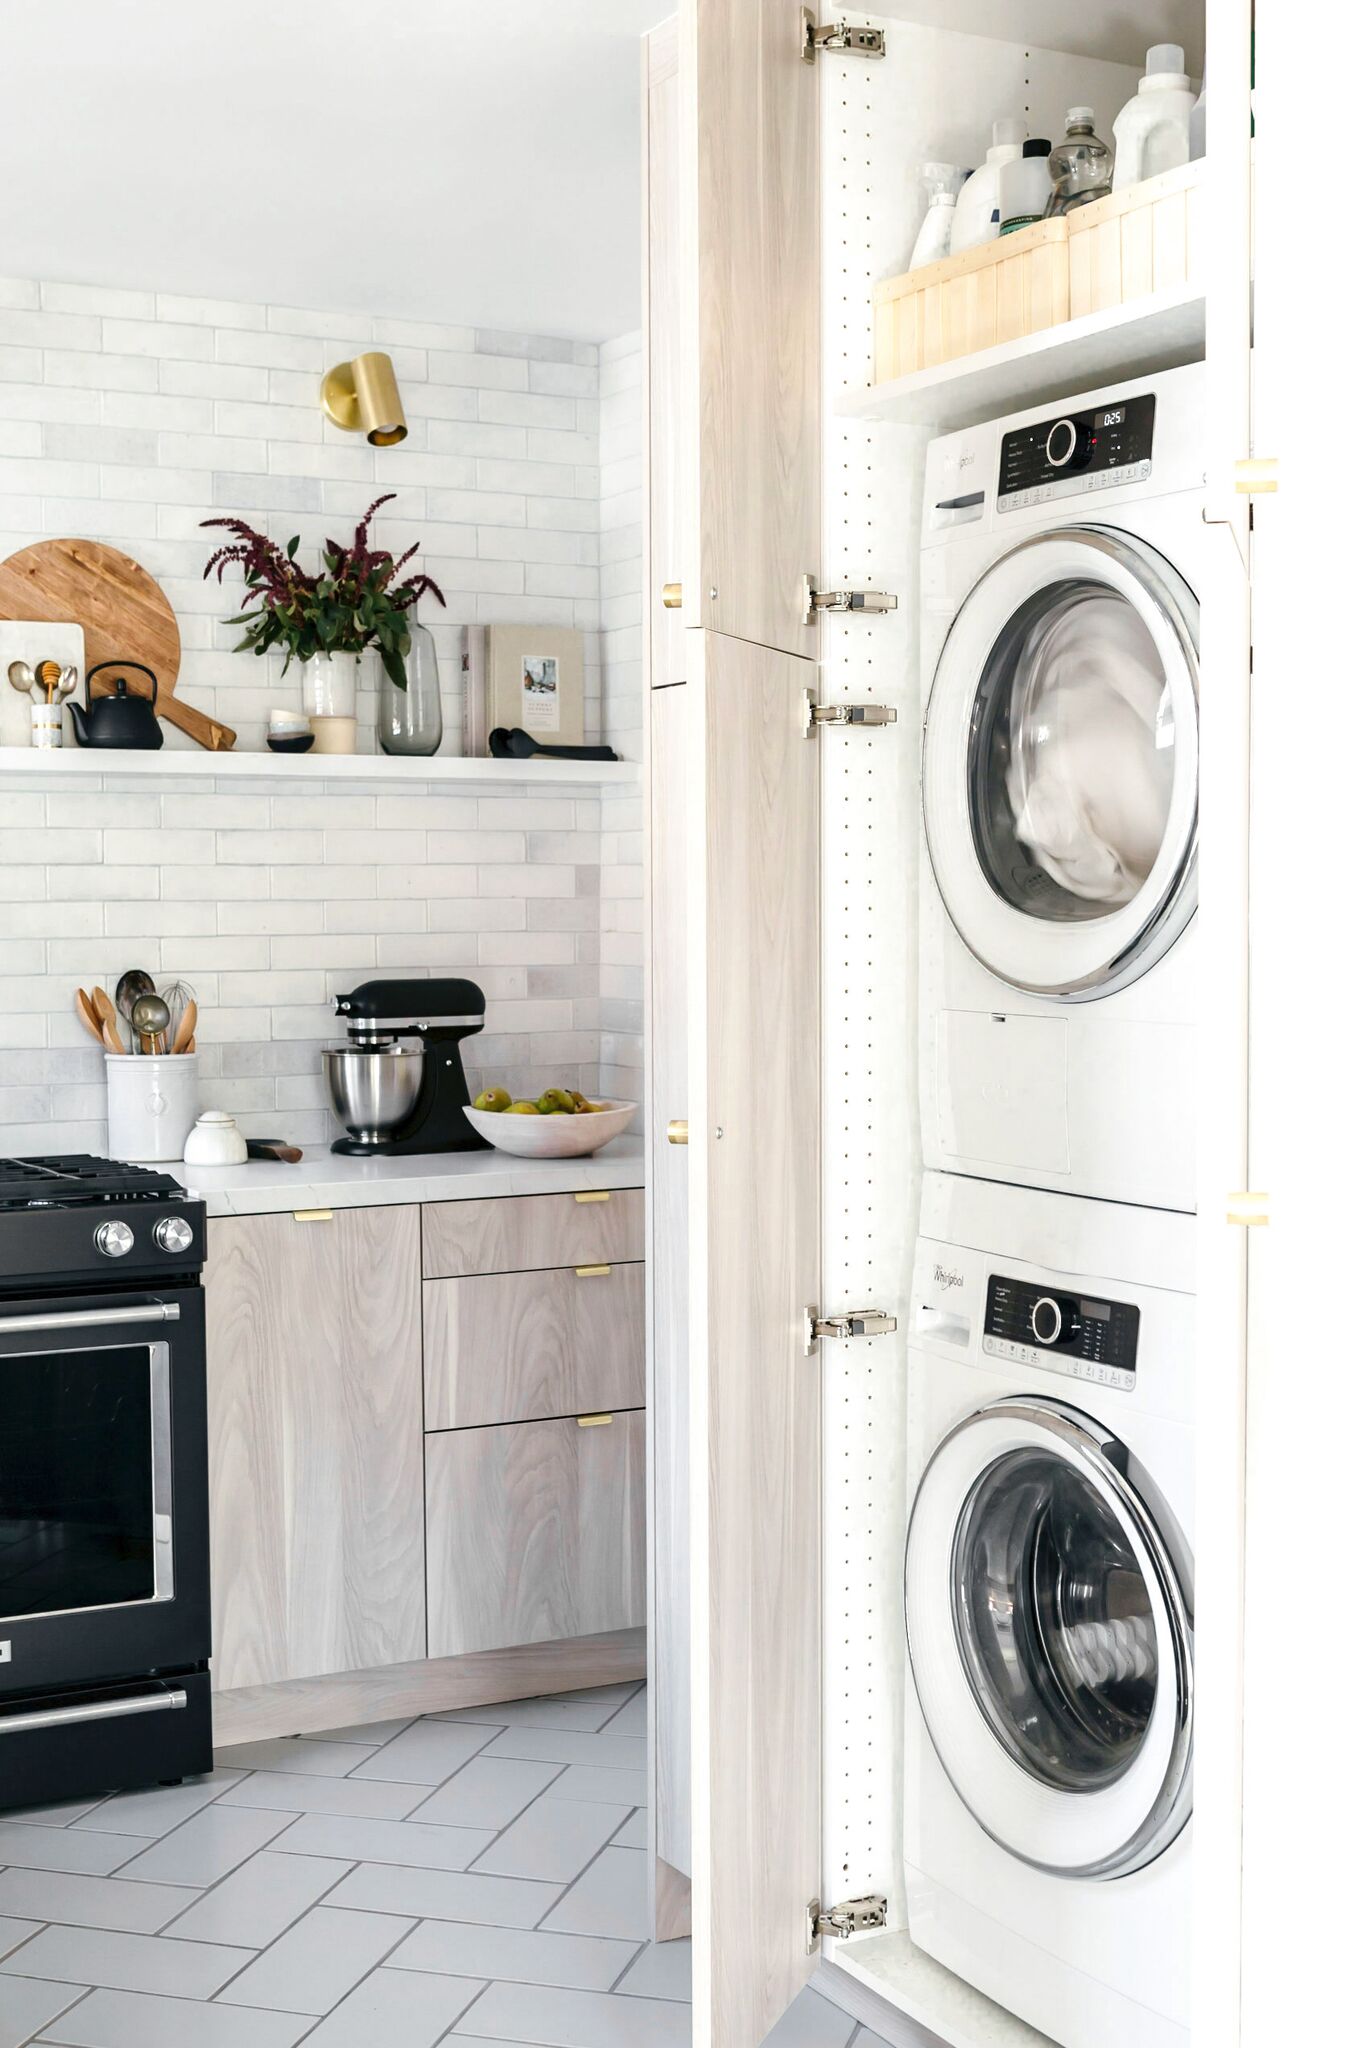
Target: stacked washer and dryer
1049 1581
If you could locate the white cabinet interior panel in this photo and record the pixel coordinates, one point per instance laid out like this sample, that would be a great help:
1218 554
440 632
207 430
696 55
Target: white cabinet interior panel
933 96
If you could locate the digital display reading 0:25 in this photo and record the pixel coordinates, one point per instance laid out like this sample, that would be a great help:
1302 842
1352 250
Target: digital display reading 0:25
1113 418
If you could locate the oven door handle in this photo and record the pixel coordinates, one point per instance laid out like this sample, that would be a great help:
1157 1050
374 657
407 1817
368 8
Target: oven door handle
95 1710
91 1318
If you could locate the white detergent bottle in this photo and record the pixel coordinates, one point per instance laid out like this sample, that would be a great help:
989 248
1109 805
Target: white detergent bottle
1152 133
977 216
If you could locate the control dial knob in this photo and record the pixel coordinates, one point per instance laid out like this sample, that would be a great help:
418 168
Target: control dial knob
1066 446
115 1240
173 1234
1046 1319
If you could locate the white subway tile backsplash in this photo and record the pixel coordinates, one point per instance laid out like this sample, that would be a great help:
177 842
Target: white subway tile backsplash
136 418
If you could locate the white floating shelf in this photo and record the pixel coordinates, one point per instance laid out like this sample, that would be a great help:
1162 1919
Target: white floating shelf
451 770
1159 333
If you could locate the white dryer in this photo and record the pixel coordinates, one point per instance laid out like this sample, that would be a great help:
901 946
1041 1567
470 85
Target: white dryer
1049 1607
1059 648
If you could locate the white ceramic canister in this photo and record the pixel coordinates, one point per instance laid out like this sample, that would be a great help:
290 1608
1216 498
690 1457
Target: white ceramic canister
216 1141
153 1102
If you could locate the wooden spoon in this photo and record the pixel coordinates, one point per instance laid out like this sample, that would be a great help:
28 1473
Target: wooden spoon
85 1010
184 1031
109 1018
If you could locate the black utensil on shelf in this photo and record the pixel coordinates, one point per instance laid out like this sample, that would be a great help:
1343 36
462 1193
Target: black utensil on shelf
511 743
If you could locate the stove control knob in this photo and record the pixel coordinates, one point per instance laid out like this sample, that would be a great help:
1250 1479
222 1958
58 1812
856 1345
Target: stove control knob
115 1240
1045 1320
174 1234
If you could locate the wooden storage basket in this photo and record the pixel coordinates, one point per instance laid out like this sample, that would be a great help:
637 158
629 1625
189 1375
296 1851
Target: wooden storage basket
999 292
1142 240
1137 242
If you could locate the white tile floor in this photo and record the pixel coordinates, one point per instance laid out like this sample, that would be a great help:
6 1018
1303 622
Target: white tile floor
475 1878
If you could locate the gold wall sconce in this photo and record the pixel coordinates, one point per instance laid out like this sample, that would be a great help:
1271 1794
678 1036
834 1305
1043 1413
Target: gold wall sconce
362 396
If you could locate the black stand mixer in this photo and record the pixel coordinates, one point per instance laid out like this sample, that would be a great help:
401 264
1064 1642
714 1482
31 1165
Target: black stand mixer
395 1096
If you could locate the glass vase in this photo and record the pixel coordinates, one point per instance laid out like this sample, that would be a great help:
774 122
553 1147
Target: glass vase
329 692
410 720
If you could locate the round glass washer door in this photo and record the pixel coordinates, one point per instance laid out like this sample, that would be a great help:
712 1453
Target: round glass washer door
1051 1637
1060 763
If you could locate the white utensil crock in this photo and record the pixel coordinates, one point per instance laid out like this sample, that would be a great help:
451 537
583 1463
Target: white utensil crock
153 1102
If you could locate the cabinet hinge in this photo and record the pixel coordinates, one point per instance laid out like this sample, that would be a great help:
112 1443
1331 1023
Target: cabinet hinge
839 37
844 601
851 1916
855 1322
818 715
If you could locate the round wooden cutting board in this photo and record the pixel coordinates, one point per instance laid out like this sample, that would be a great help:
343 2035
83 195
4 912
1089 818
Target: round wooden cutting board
125 614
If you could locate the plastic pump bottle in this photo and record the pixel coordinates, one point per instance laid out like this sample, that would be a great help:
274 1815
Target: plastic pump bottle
942 183
1152 133
977 216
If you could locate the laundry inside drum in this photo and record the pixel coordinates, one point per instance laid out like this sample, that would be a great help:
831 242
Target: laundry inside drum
1072 755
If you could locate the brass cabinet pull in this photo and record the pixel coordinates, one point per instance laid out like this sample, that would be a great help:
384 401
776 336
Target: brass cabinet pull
312 1215
591 1272
676 1131
593 1421
672 595
593 1195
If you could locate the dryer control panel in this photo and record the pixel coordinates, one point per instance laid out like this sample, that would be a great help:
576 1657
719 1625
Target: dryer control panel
1076 1334
1076 453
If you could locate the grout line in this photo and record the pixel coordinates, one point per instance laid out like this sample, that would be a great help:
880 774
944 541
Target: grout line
82 1992
429 1790
256 1954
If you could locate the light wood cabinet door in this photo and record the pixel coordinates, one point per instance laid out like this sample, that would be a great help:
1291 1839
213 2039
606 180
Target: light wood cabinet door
518 1347
750 211
667 1099
755 1399
315 1444
663 275
518 1233
535 1532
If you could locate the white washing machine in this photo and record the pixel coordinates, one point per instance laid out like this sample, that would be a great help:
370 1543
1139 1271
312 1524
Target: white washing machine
1049 1607
1059 645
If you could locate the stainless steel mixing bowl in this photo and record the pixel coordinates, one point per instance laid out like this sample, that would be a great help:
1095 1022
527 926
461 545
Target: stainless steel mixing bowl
373 1088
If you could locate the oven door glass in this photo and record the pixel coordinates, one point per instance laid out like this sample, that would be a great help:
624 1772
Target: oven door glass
85 1478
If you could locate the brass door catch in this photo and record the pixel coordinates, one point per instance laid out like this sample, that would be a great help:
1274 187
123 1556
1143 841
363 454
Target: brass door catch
672 595
676 1130
1256 474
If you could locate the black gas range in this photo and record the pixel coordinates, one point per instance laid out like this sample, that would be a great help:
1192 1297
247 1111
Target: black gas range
104 1539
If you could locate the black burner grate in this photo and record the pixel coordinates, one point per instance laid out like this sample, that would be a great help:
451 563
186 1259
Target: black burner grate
72 1180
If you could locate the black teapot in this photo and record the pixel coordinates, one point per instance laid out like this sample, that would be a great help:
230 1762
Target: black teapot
122 719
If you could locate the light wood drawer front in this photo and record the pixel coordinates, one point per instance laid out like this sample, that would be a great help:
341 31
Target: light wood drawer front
517 1347
535 1533
521 1232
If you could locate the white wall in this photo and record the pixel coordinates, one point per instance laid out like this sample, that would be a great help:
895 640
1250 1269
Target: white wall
132 418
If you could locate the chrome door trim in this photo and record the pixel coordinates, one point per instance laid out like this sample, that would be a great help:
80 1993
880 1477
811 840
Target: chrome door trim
95 1710
1170 917
1108 1464
163 1520
90 1318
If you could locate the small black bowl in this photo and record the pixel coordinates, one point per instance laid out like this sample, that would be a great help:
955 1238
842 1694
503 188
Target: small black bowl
297 743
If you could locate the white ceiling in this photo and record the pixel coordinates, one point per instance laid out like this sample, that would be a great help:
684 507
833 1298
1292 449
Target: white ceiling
475 161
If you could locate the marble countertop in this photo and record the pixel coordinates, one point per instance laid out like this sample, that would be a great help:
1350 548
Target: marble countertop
326 1180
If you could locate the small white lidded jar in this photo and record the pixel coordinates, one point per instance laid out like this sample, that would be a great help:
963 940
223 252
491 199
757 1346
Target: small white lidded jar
153 1102
216 1141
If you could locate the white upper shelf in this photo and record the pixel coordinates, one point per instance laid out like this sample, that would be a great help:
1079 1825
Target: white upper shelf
451 769
1158 333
